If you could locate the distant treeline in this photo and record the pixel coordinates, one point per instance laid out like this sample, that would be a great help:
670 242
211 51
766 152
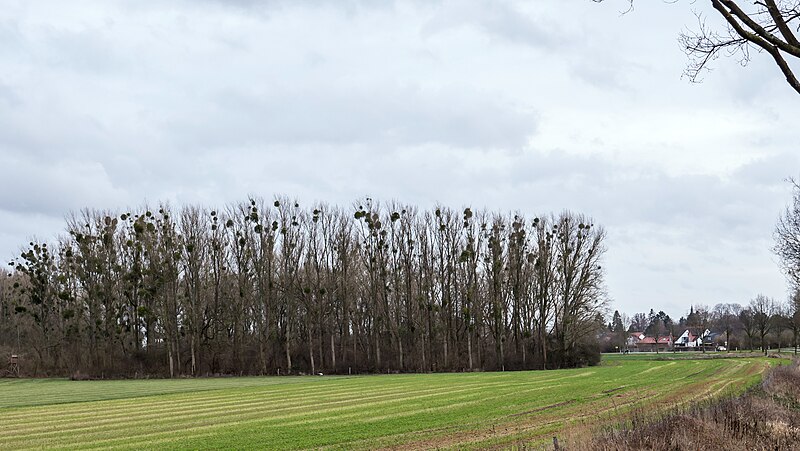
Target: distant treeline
262 287
764 323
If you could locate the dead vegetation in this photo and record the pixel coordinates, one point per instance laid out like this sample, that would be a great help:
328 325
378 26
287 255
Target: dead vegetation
766 417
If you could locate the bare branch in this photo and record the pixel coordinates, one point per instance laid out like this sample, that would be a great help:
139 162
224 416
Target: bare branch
757 38
781 23
761 28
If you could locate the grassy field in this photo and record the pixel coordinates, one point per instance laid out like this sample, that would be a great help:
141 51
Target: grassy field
410 411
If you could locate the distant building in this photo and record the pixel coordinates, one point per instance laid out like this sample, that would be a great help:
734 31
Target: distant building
638 341
690 341
687 340
633 339
665 342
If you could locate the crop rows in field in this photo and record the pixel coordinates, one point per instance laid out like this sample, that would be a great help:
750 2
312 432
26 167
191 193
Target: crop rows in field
469 409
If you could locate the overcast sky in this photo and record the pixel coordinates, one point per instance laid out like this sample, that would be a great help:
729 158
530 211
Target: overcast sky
530 106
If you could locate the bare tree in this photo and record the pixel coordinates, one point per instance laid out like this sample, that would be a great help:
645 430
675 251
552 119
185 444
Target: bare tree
749 327
544 282
257 288
763 309
763 26
192 229
781 322
726 317
794 318
787 238
580 247
702 318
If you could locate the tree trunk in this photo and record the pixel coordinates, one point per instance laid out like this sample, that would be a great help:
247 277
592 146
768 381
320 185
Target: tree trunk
321 350
263 350
333 354
288 356
544 350
424 363
353 340
378 351
194 361
400 350
311 352
502 356
171 363
469 348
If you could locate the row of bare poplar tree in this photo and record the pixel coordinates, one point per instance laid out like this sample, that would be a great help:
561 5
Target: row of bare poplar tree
265 287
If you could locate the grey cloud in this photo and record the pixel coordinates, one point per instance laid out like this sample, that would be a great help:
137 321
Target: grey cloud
50 188
87 51
764 171
347 5
9 97
459 103
19 228
382 116
705 204
500 19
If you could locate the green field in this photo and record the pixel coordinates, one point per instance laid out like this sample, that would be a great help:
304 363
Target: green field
413 411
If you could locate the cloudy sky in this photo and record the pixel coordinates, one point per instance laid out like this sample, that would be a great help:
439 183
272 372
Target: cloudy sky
515 105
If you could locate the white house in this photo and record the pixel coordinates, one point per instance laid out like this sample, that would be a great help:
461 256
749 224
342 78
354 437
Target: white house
690 340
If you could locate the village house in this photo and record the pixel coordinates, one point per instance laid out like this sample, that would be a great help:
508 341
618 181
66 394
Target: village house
639 342
689 341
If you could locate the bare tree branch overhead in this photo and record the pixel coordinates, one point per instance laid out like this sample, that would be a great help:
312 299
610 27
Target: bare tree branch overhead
769 26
